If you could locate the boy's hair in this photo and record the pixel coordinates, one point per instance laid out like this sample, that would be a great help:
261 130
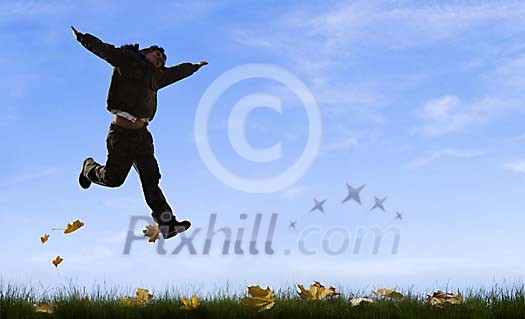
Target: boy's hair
135 47
156 48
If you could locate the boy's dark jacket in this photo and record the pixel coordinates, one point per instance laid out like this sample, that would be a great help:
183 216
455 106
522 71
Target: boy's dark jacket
135 82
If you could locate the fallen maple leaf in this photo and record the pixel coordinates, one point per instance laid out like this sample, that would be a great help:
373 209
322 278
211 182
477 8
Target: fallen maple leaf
152 231
190 304
357 301
143 297
439 298
71 227
390 293
262 299
57 261
44 238
44 307
317 292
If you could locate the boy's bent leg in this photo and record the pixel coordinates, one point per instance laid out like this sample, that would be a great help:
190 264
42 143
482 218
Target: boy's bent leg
82 178
112 174
118 163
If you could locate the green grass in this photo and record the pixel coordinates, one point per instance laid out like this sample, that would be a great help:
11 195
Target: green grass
17 302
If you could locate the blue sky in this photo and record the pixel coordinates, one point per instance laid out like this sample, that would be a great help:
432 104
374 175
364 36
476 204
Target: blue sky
421 101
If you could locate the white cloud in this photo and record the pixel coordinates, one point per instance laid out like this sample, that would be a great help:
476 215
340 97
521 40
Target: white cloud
503 91
293 192
342 137
444 153
31 8
444 115
343 143
122 202
242 37
321 41
342 28
509 75
396 25
449 114
518 167
23 178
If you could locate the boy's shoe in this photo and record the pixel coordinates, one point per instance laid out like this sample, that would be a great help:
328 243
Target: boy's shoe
174 228
169 226
82 178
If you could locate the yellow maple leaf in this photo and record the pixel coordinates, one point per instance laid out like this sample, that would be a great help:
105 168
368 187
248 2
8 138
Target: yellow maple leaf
316 292
44 307
189 304
57 261
390 293
44 238
357 301
128 300
439 298
152 231
71 227
142 297
261 299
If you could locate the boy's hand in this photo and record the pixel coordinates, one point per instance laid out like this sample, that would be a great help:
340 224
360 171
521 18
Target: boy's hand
76 34
201 63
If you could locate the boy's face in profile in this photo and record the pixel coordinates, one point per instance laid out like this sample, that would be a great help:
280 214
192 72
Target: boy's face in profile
155 58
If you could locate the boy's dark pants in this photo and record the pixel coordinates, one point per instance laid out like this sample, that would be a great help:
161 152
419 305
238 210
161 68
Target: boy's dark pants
127 147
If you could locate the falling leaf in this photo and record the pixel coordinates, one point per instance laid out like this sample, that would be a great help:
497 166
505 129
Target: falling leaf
44 238
390 293
317 292
152 231
57 261
71 227
143 297
44 307
189 304
439 298
261 299
357 301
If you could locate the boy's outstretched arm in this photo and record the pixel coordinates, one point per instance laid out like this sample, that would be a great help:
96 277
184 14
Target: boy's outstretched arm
106 51
178 72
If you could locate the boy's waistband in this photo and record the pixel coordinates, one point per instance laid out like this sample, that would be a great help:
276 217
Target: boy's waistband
115 127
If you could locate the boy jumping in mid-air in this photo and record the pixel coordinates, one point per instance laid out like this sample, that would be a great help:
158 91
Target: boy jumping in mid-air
137 76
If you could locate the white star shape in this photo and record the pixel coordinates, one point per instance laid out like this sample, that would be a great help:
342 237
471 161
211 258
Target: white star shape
318 205
353 194
378 203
